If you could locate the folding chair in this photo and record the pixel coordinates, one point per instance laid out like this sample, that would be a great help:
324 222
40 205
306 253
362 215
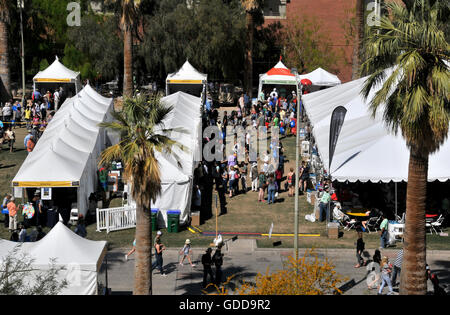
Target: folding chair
373 223
340 216
435 226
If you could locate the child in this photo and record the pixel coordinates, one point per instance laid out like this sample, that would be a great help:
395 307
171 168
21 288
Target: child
360 249
186 252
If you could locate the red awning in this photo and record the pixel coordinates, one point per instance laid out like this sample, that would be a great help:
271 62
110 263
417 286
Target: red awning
280 71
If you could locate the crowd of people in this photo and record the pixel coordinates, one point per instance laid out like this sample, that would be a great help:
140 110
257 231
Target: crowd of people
34 116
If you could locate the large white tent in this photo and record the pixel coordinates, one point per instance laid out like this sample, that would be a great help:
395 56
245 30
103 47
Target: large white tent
176 181
187 79
67 153
80 258
279 75
57 73
366 149
321 77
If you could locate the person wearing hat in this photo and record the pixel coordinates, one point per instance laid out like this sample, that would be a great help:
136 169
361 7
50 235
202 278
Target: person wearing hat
206 262
159 247
186 251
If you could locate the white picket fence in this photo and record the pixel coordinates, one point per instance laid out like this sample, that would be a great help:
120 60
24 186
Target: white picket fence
114 219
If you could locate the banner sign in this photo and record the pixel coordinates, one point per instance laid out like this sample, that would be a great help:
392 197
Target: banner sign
337 120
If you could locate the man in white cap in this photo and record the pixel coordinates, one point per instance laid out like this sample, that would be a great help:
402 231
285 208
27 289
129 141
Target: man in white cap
254 176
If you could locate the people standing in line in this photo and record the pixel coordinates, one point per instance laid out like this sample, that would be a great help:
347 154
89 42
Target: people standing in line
386 269
22 233
271 189
360 249
186 251
243 174
304 176
133 249
397 267
383 231
38 207
254 176
159 248
207 270
262 185
12 212
218 262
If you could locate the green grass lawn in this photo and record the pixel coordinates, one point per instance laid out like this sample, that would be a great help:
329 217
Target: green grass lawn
244 214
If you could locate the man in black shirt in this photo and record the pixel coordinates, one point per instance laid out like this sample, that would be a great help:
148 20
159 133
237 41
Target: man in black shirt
207 261
218 262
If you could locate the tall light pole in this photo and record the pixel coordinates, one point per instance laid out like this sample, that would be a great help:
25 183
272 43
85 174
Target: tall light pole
21 6
297 164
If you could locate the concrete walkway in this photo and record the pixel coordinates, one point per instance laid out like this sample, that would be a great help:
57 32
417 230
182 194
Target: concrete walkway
243 259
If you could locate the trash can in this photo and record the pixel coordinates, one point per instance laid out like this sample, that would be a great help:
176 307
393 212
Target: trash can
154 219
173 221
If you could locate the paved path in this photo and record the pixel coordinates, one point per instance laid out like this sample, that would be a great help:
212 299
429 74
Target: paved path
244 259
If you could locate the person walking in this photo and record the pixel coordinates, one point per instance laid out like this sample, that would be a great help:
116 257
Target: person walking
218 262
206 262
383 231
159 248
291 182
12 210
397 267
386 269
11 137
186 251
360 249
133 249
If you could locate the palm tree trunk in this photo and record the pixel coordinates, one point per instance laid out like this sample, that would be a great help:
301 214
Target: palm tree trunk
357 50
4 60
128 61
413 279
143 266
249 56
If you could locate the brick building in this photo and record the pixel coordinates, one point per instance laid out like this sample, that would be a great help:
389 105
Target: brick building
331 14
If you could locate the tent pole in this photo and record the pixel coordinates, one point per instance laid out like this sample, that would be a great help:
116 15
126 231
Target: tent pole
395 199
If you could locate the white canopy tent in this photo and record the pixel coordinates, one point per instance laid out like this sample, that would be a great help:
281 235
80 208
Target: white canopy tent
80 258
321 77
186 79
66 155
176 181
57 73
366 150
279 75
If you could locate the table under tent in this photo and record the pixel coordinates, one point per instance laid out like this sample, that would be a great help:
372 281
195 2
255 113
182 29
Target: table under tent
187 79
177 181
80 258
55 76
279 78
366 151
64 160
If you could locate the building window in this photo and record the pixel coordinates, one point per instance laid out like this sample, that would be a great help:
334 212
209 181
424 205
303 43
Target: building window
275 9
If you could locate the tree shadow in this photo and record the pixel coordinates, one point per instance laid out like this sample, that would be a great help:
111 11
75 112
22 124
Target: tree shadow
6 166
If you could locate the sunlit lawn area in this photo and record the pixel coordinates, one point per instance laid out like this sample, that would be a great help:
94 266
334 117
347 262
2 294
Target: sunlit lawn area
244 215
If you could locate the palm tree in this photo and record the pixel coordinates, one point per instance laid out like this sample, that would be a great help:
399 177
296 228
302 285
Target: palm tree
128 23
250 6
415 95
142 134
4 59
358 48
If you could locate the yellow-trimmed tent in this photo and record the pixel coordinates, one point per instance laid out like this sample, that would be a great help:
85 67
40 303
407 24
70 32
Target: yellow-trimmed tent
57 74
187 79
